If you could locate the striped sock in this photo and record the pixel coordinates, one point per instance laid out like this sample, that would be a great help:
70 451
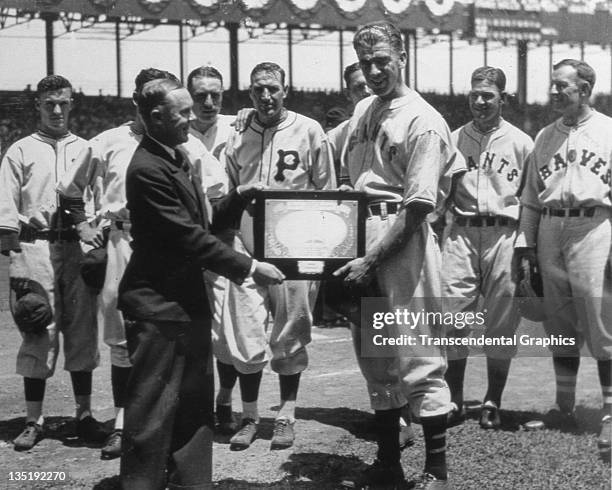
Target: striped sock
434 430
605 379
566 371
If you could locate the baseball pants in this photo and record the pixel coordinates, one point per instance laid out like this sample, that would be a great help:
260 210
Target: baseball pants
56 267
476 261
410 278
574 259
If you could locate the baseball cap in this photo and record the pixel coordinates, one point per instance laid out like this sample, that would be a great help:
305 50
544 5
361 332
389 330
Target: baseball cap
31 309
93 268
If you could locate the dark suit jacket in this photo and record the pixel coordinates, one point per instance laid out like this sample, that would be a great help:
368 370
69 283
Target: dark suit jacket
172 242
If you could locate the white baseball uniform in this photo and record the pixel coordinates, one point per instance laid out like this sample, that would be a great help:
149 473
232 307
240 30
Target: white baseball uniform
28 176
293 155
477 253
568 182
102 166
400 151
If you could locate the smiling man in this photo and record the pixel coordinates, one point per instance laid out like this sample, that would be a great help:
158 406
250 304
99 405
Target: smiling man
477 252
565 229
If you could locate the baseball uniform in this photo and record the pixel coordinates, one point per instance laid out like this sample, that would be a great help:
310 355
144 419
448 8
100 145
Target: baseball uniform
293 155
50 256
400 152
337 137
568 183
478 249
102 167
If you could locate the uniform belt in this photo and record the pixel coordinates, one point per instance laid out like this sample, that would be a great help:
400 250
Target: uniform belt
66 235
480 221
382 208
569 212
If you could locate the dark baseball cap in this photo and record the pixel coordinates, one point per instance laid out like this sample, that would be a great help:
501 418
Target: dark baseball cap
93 268
31 311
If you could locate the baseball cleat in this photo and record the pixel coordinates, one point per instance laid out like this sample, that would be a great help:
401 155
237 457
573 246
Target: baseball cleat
489 417
245 436
560 419
28 438
430 482
604 440
455 416
283 435
112 446
406 436
90 430
225 420
380 475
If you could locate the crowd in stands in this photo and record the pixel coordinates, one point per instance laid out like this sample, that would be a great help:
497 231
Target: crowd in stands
93 114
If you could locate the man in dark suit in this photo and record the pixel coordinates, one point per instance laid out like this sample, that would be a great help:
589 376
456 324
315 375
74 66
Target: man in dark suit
169 409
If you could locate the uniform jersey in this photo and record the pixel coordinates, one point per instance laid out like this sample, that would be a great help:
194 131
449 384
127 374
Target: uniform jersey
494 163
571 166
385 152
28 176
295 154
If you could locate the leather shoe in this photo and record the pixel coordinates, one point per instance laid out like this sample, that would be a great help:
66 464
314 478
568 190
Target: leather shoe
112 446
381 475
604 440
489 417
456 416
430 482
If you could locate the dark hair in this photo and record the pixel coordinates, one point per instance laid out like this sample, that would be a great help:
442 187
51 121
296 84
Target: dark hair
349 70
269 67
490 74
379 30
153 94
204 72
52 82
583 70
147 75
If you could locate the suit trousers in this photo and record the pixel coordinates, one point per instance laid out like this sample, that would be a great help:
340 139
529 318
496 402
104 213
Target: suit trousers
169 419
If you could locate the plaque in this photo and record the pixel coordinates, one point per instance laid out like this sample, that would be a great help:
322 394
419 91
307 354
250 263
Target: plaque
309 234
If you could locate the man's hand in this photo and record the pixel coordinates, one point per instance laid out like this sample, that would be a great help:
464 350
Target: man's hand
248 191
357 272
345 188
9 242
266 274
243 119
91 235
523 261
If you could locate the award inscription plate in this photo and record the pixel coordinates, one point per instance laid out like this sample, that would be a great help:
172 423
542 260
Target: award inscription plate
309 234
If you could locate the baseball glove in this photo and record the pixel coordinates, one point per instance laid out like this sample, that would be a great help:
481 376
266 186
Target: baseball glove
30 306
530 291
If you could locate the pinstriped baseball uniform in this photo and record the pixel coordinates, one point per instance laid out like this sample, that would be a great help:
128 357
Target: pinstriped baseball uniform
295 154
102 166
401 151
28 176
571 168
477 260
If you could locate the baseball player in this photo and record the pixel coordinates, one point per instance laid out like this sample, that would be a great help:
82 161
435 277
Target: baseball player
565 229
399 152
102 167
44 248
478 248
281 150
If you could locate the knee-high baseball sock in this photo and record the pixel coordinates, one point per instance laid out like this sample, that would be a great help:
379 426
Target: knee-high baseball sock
434 431
227 380
289 385
455 372
497 374
566 372
81 387
387 429
34 391
119 379
249 392
605 379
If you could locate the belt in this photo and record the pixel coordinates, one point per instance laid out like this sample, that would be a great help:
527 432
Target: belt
480 221
569 212
121 225
383 208
67 235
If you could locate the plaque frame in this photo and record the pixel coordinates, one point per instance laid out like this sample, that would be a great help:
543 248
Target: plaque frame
293 267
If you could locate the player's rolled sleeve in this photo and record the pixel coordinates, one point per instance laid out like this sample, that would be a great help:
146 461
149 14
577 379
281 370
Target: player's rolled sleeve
11 183
428 154
166 214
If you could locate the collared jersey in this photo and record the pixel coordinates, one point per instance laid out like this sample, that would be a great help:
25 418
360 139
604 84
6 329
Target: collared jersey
495 163
29 173
400 151
570 166
103 164
294 154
